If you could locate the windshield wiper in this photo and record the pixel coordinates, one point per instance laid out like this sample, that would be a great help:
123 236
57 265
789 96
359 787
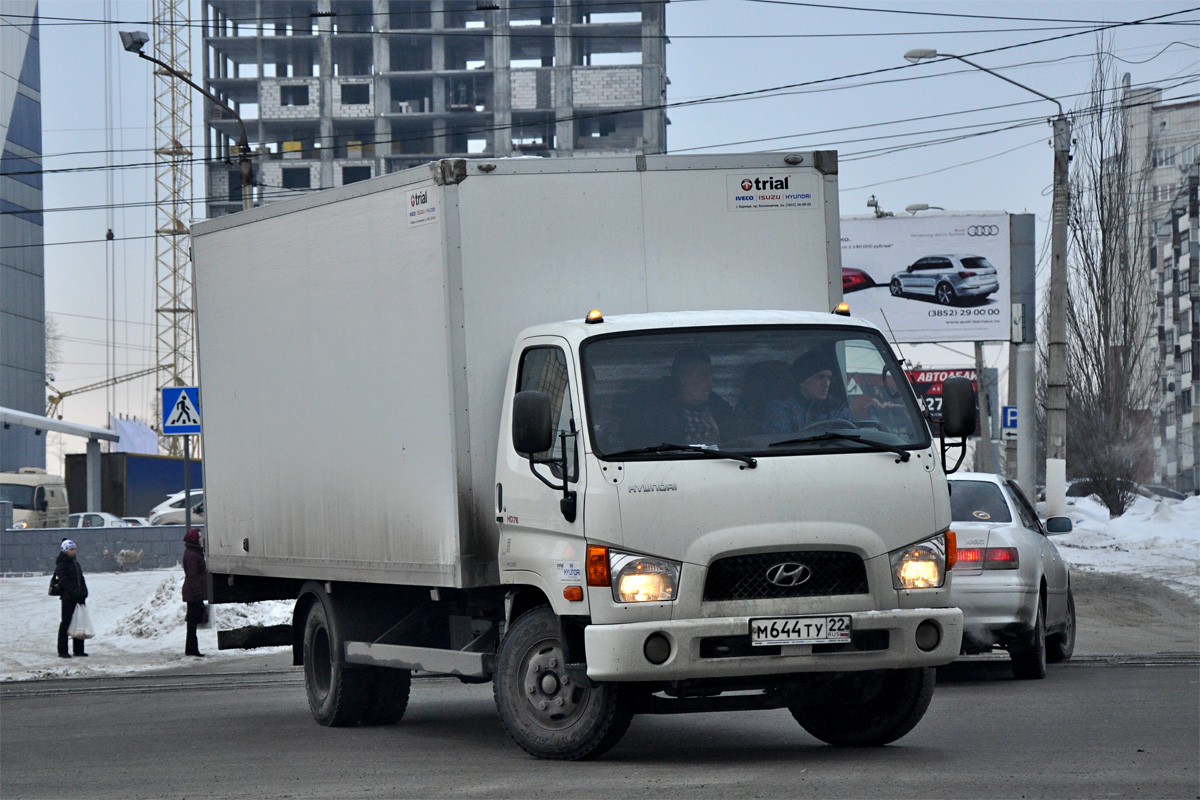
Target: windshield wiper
878 447
667 447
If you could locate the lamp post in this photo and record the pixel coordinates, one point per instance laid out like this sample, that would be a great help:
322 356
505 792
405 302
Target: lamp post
1056 368
134 41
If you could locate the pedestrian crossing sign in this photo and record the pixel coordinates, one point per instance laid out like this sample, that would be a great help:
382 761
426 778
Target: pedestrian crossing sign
180 410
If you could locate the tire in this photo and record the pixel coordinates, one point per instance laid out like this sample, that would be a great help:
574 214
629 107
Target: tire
864 709
1029 658
389 696
945 294
544 711
338 694
895 287
1061 646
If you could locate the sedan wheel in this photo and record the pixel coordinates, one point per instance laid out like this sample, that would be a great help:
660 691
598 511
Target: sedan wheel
1029 658
896 289
1061 646
945 294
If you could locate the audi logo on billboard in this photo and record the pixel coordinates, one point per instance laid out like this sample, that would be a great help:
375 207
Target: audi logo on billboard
983 230
789 573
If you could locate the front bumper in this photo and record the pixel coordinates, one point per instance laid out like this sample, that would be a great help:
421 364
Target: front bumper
615 652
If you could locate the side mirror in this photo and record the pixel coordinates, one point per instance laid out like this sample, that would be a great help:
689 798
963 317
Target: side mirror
43 505
958 408
909 268
1058 525
532 427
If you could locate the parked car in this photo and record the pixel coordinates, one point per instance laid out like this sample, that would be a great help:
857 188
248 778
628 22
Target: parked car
1012 585
136 521
96 519
949 279
176 516
854 279
175 502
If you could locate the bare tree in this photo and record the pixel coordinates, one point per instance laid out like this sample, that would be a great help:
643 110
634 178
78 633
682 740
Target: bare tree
1113 359
53 345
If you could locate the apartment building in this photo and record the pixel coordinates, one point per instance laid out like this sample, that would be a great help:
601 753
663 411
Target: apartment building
336 91
1177 269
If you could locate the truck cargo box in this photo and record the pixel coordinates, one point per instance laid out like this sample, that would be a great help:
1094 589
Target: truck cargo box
353 345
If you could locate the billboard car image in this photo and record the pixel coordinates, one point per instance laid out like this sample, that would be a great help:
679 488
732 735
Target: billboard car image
930 278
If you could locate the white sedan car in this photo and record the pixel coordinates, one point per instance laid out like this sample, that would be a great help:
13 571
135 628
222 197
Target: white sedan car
1013 587
96 519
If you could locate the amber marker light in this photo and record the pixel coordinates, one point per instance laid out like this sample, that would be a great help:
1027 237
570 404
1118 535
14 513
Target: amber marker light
951 549
573 593
842 309
593 317
597 566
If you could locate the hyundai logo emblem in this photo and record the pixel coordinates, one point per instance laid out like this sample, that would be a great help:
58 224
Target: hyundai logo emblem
789 573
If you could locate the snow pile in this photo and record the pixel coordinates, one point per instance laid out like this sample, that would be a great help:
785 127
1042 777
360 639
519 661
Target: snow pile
139 621
1153 539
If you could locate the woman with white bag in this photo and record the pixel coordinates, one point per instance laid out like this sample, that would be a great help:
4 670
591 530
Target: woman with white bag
68 575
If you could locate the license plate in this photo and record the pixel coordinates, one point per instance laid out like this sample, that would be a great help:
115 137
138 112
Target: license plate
799 630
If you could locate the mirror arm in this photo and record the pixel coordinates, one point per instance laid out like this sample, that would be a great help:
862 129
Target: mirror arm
568 505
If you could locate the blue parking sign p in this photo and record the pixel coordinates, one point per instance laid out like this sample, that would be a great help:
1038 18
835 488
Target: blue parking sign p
180 410
1010 417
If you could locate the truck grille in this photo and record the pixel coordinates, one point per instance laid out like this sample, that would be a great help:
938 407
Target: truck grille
746 577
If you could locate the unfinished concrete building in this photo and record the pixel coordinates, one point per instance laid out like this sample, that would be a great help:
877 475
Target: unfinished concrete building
336 91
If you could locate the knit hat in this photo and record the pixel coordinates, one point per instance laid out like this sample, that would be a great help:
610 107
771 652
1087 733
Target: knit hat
67 544
192 536
809 364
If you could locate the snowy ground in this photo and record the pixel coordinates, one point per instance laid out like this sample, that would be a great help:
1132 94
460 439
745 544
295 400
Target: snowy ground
139 615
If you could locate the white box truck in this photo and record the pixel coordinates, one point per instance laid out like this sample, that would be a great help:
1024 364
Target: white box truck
640 509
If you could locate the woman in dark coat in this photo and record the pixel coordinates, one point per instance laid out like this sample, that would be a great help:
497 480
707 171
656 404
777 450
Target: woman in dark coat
195 588
73 591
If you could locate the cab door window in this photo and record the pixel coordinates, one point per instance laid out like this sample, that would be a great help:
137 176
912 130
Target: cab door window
544 369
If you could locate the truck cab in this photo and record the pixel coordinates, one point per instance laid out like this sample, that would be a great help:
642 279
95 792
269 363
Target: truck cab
700 519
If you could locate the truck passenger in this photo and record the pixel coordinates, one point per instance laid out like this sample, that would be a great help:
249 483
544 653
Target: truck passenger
688 411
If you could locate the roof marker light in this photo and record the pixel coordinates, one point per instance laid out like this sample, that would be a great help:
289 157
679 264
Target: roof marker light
842 309
593 317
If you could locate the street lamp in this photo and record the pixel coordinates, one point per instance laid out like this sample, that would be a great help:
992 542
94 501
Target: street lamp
1056 368
134 41
913 208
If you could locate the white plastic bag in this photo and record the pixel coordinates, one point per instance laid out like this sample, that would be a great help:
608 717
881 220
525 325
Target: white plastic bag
81 624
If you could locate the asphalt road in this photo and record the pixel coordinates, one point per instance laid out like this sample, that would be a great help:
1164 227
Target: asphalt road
1116 727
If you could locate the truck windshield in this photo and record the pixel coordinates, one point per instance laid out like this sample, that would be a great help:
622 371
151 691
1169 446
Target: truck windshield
19 495
756 390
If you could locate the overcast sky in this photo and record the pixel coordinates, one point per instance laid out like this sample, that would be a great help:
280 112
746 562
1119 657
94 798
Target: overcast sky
794 76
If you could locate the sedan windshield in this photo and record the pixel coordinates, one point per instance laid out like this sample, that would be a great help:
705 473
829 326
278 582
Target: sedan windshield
738 391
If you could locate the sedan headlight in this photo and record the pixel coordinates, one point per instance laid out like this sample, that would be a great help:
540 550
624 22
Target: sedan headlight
20 526
640 579
921 565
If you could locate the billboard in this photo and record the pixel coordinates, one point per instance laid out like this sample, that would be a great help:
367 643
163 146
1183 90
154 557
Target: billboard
930 278
927 385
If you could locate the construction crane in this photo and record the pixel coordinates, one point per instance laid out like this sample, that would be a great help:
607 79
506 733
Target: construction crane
55 397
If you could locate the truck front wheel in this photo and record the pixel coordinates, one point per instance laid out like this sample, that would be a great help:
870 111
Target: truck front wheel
546 711
863 709
338 693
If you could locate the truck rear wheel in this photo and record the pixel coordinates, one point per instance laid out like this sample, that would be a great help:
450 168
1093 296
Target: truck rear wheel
545 711
338 693
389 695
864 709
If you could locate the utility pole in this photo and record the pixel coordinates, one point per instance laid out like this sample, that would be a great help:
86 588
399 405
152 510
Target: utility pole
1056 368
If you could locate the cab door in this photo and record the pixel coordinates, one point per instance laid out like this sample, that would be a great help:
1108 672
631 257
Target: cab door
538 535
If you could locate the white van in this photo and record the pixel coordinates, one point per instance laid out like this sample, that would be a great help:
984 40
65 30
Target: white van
39 500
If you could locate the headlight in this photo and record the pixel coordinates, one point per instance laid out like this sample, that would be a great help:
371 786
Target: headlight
22 525
921 565
639 579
